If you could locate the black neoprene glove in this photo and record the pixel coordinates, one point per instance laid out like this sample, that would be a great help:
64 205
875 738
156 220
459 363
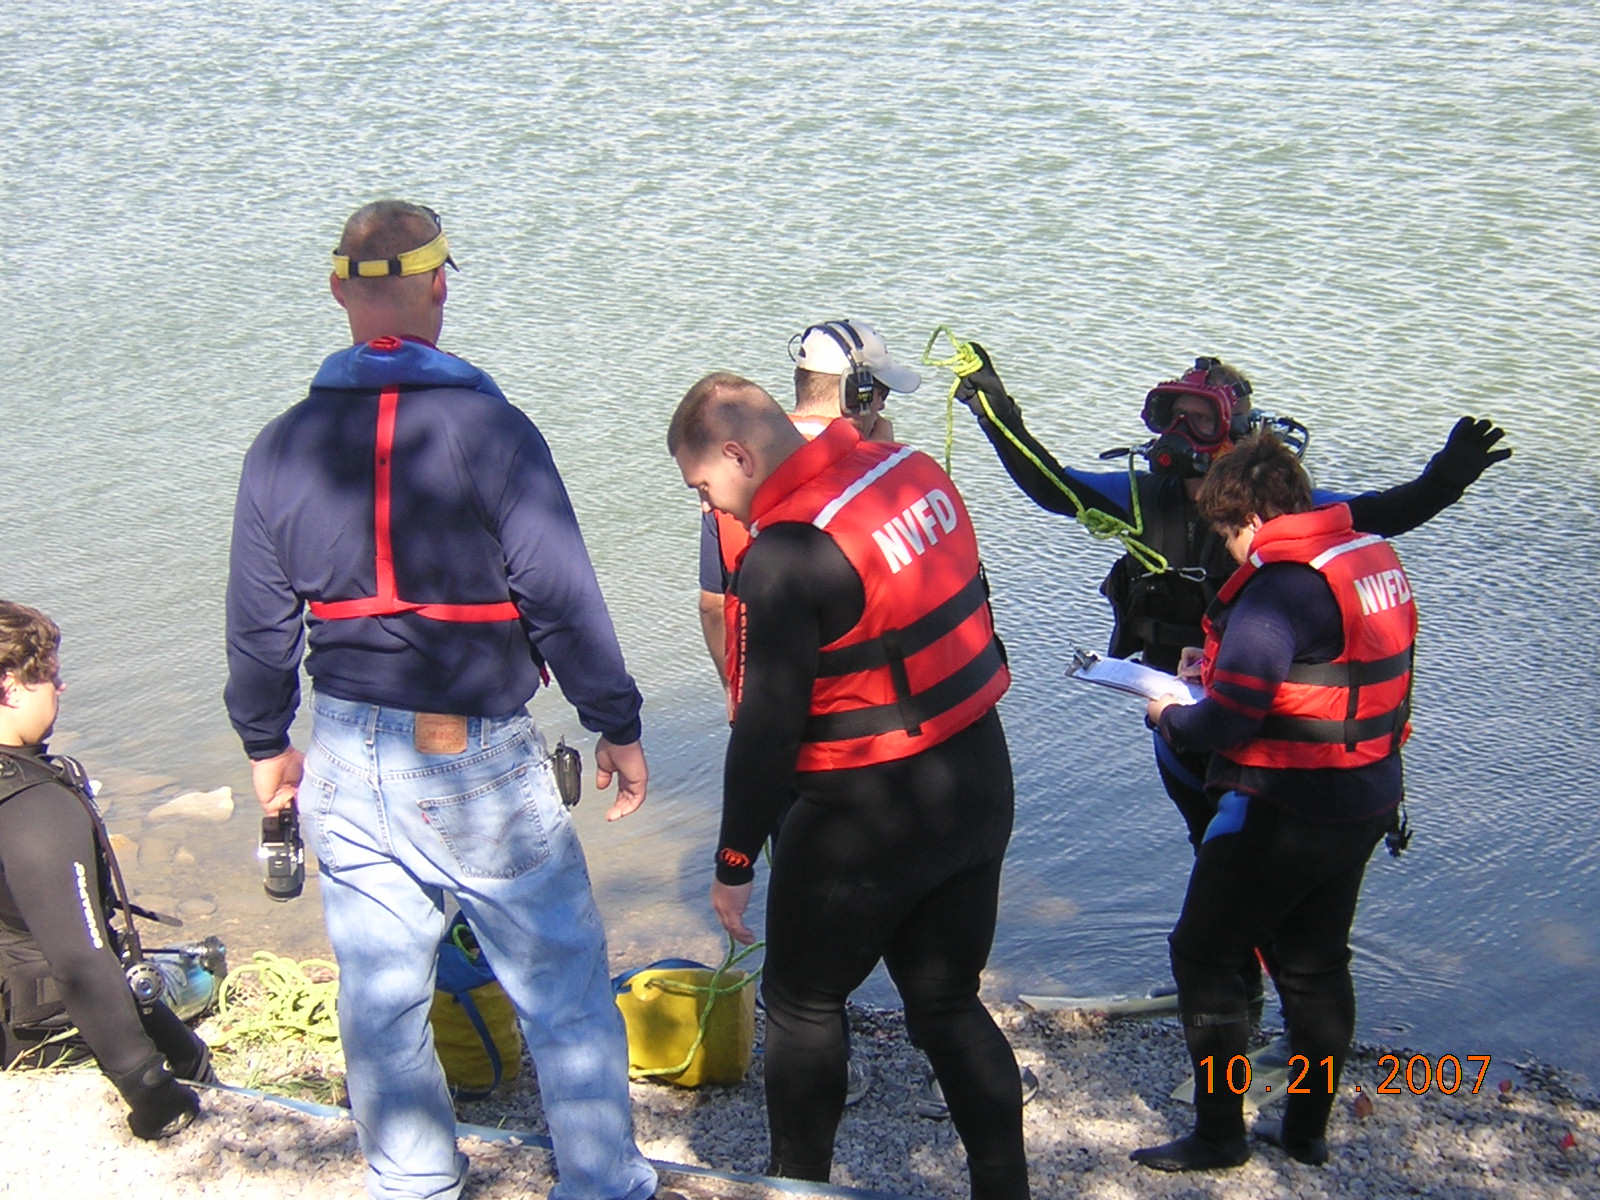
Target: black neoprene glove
188 1056
159 1106
1469 451
986 380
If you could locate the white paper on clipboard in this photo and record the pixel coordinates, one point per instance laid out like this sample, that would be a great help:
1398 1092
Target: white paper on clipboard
1125 675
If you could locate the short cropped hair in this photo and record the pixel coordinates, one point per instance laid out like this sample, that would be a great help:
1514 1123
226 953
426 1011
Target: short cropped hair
1260 476
386 229
722 407
29 644
816 392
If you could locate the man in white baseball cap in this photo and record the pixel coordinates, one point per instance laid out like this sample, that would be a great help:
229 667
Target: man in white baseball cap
844 369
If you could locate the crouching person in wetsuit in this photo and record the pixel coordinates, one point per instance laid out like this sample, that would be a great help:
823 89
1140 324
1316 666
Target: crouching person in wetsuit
870 676
59 964
1307 669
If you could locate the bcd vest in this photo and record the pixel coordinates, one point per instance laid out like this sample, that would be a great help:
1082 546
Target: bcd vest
1355 710
29 997
387 602
923 662
1157 613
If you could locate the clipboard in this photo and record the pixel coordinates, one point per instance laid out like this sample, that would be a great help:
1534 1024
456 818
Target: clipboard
1134 678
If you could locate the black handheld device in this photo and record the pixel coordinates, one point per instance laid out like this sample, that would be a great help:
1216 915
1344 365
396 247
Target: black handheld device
282 855
567 764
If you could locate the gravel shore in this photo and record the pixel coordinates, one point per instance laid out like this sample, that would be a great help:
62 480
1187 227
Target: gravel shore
1103 1091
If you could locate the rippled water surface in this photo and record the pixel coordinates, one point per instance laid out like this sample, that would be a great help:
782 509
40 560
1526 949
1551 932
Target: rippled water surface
1382 211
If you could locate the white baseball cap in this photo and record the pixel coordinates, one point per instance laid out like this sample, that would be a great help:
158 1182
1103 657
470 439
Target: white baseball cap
822 349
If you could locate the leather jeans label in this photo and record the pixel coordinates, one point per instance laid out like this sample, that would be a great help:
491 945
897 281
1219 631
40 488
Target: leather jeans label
440 733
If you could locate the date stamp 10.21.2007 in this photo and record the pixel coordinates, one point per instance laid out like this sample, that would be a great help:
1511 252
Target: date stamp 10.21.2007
1417 1074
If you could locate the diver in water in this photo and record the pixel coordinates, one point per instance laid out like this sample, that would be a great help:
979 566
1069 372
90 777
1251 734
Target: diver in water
1174 563
61 963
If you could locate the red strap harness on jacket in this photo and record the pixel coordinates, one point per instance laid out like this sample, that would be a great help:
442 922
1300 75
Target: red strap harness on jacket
387 602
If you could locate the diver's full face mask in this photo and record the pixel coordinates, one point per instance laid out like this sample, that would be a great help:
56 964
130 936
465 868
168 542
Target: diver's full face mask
1193 420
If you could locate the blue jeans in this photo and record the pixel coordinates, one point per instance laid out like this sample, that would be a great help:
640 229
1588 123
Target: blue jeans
395 830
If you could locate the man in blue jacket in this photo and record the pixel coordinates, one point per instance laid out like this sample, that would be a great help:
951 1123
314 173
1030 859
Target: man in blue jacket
420 518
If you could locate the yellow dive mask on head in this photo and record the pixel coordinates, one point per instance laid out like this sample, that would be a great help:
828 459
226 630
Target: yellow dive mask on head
413 262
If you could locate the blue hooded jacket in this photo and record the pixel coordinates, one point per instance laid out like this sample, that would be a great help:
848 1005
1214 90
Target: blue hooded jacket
479 514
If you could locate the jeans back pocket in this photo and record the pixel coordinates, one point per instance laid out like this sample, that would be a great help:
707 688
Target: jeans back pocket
494 831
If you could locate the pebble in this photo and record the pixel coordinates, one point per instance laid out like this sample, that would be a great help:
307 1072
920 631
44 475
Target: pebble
197 906
214 806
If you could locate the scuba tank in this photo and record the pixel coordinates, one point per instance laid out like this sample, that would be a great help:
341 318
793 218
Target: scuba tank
186 978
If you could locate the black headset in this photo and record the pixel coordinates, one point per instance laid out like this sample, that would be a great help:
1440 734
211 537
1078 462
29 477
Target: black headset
855 385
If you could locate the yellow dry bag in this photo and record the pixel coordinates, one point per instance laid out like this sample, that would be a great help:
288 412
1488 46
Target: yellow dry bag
688 1023
475 1030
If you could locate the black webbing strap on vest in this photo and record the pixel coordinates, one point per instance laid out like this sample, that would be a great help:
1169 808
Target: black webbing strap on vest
1403 714
1336 674
1352 676
885 718
914 638
891 649
1352 705
1307 729
895 652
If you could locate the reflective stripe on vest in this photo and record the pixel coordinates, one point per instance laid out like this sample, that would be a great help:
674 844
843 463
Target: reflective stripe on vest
387 602
1354 710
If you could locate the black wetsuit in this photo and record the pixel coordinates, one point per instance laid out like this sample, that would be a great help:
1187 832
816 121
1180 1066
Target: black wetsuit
898 861
58 954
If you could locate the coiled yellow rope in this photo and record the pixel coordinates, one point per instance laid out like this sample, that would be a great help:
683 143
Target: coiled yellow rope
285 1003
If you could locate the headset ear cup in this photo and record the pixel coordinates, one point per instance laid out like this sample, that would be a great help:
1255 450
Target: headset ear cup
856 387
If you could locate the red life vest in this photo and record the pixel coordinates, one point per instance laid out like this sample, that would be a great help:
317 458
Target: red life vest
923 662
1354 710
387 601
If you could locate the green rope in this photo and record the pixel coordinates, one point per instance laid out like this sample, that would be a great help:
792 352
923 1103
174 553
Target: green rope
712 993
963 362
286 1004
1100 524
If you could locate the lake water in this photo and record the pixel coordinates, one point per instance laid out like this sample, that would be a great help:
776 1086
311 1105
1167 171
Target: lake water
1383 212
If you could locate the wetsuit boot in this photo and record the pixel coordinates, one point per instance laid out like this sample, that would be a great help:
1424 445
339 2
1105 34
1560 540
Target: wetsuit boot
1218 1140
